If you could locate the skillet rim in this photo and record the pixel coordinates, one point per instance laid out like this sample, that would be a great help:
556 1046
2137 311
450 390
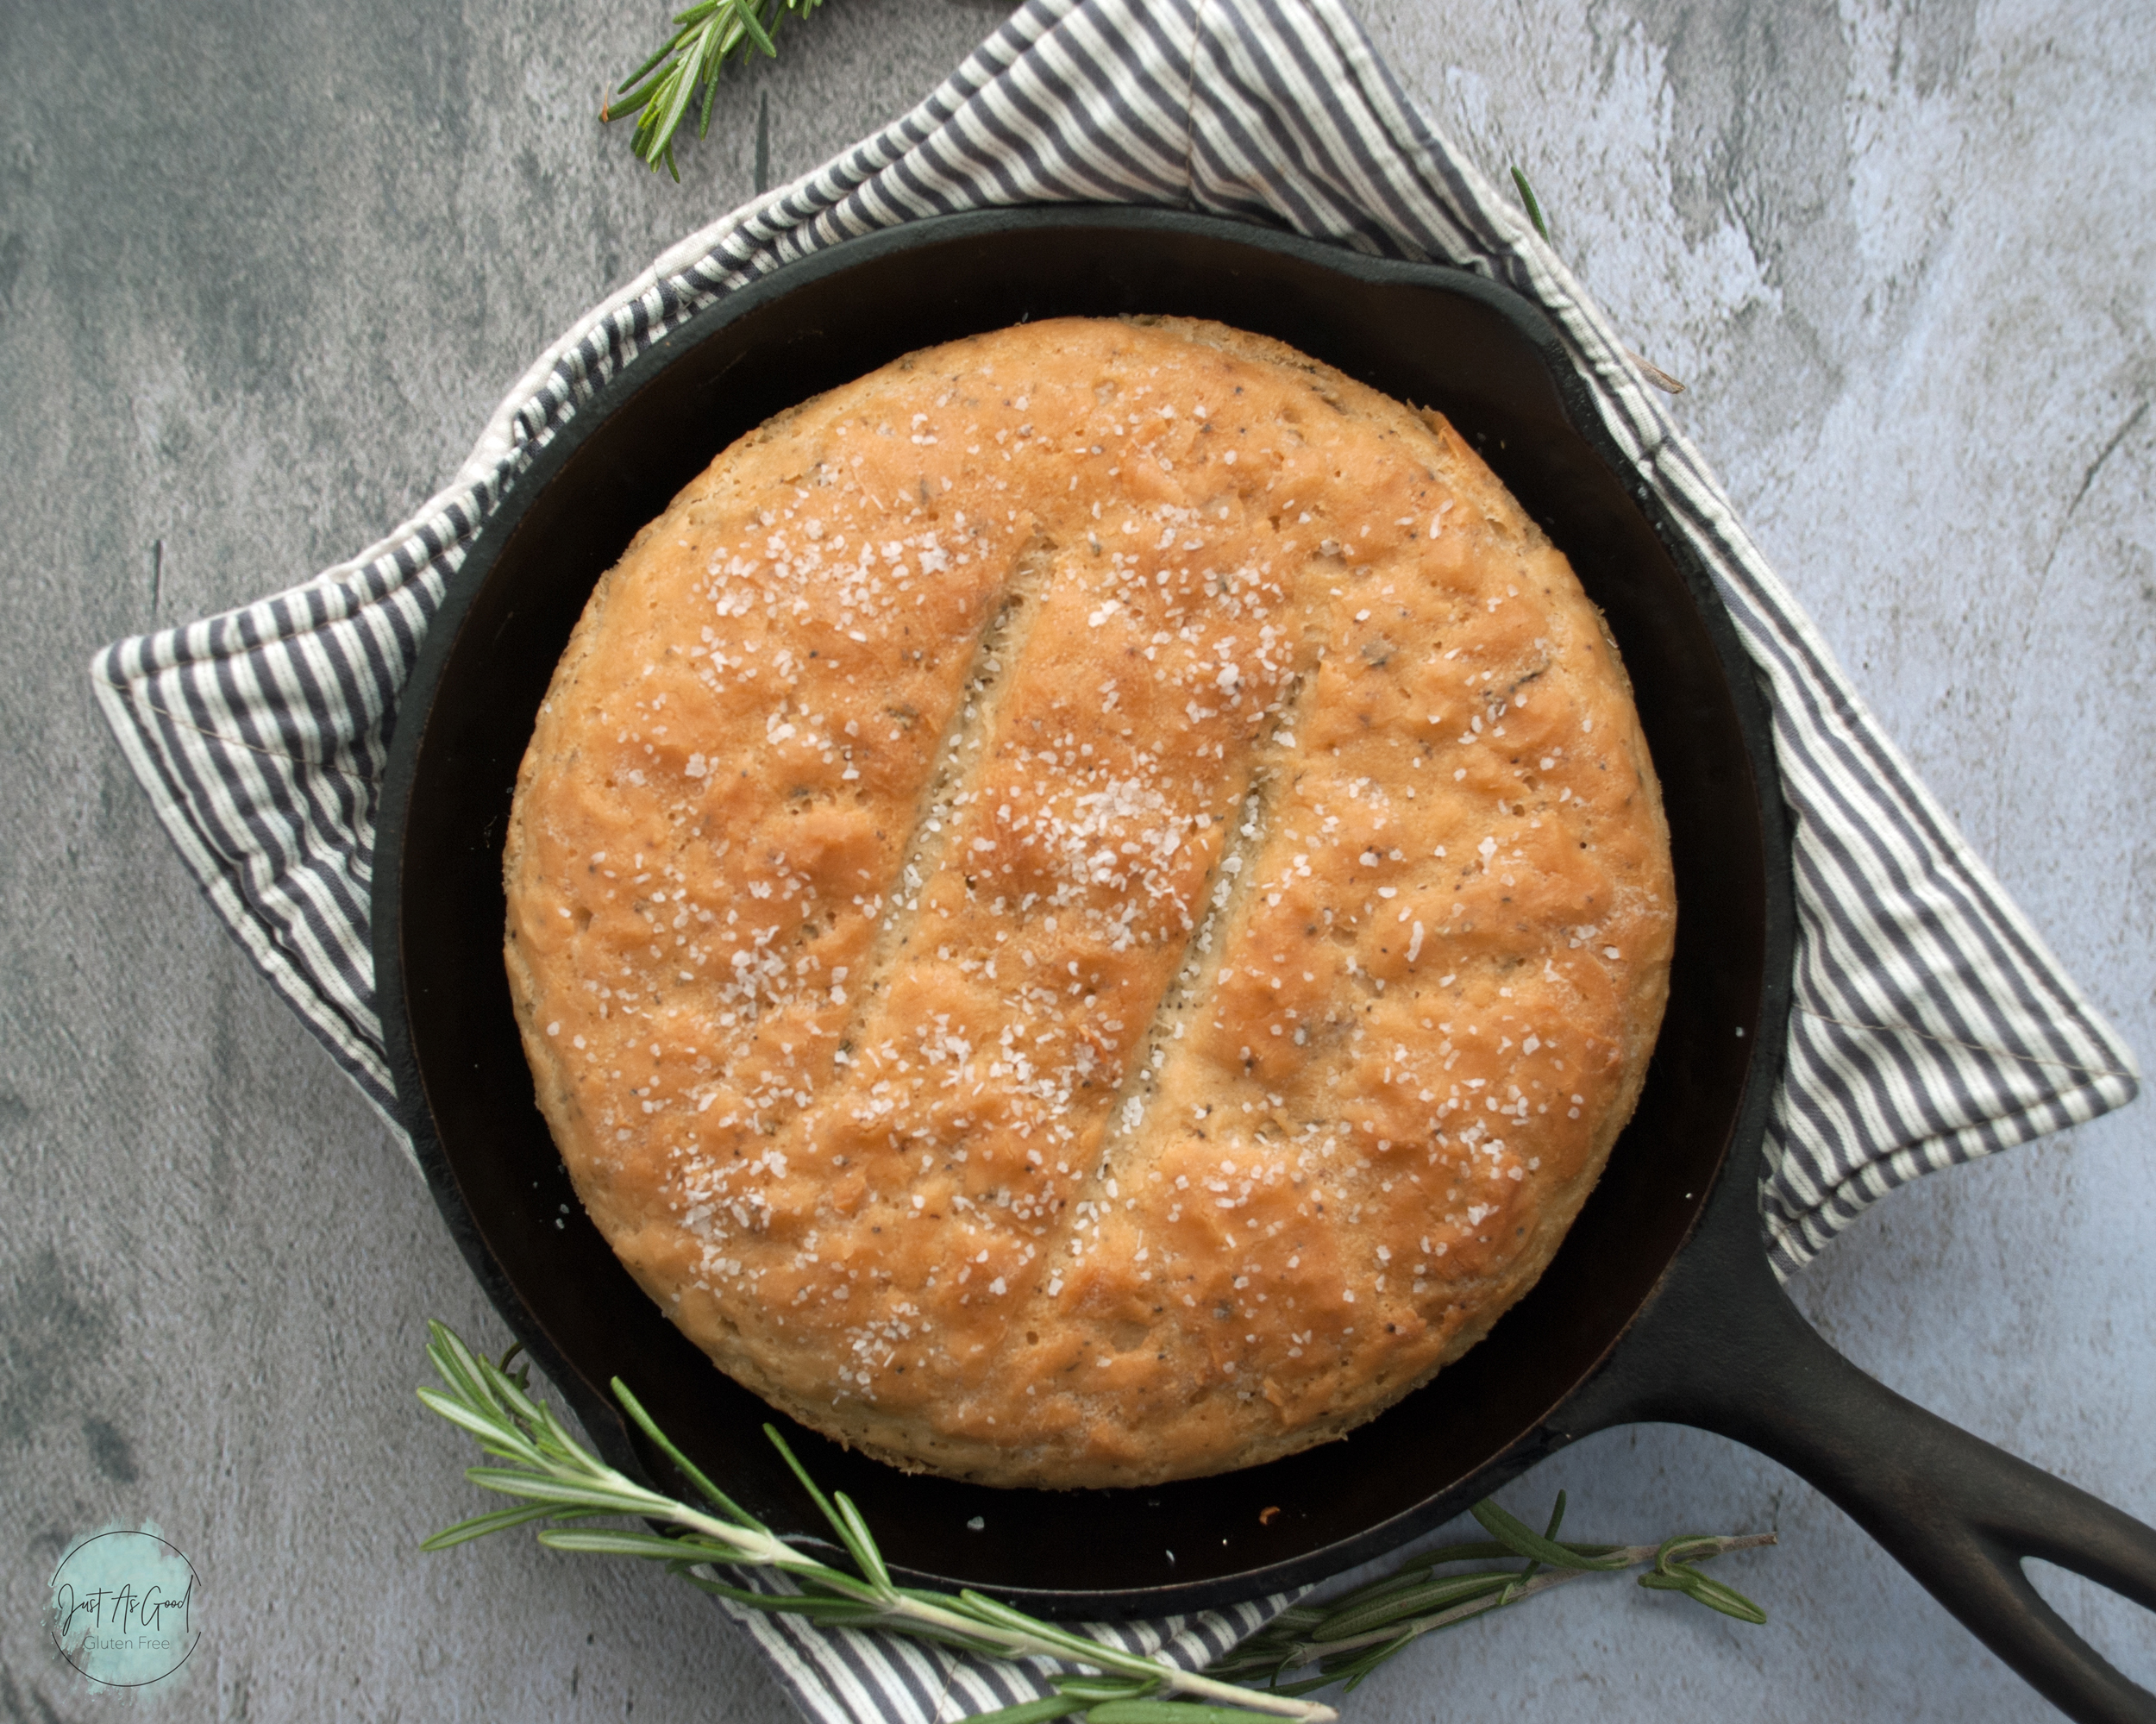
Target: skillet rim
617 395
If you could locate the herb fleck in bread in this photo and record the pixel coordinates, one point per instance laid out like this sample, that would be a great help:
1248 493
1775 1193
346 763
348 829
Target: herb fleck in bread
1085 909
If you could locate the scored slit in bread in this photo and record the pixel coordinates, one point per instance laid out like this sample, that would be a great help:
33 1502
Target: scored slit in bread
1086 908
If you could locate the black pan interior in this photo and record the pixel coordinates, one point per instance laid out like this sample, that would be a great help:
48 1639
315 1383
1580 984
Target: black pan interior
1431 336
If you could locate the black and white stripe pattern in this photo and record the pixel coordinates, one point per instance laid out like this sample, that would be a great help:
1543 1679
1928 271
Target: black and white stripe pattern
1931 1024
848 1676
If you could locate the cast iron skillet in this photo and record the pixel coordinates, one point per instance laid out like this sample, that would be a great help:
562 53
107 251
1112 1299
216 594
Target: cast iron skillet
1660 1306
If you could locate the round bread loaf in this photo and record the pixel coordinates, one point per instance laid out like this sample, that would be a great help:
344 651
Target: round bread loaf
1086 908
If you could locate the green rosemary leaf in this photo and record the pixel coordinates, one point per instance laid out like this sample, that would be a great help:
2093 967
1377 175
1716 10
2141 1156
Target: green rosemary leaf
1167 1712
753 26
710 95
623 109
800 1472
706 38
1719 1595
845 1612
1705 1589
513 1402
922 1595
859 1545
480 1524
983 1609
455 1365
1029 1711
1522 1540
818 1582
521 1374
1368 1597
1422 1600
1096 1691
712 1493
604 1498
663 119
1482 1551
985 1640
653 1545
1686 1548
1237 1667
1527 197
613 110
1517 1589
555 1437
1354 1672
862 1543
488 1429
844 1586
979 1647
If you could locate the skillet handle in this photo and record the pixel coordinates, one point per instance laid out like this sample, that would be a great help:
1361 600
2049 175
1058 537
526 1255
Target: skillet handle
1723 1349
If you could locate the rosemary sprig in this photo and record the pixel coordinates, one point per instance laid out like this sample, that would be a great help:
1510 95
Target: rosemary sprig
705 37
1347 1638
1533 206
555 1479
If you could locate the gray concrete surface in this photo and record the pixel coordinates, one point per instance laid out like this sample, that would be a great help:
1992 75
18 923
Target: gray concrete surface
264 267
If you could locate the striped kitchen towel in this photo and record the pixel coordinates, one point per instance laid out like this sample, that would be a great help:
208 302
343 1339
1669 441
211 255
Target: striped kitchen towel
1931 1025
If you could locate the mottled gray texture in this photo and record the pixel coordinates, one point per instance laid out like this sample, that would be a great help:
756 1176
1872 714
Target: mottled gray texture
264 269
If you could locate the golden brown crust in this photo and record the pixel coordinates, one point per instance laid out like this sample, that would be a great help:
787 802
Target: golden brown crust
1087 909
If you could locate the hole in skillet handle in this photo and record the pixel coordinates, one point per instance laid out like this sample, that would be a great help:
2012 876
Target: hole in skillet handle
1436 337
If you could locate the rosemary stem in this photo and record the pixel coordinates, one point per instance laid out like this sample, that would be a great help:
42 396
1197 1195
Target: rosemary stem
555 1478
1018 1644
765 1548
758 1548
1316 1651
